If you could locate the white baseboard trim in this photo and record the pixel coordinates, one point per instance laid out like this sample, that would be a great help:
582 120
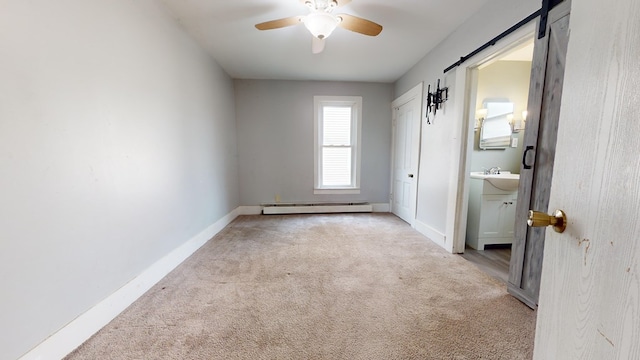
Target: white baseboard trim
84 326
381 207
433 234
249 210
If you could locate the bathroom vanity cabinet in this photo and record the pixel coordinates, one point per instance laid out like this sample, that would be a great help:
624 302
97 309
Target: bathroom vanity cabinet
491 215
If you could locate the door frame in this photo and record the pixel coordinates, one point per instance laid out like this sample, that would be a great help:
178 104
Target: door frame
413 93
466 78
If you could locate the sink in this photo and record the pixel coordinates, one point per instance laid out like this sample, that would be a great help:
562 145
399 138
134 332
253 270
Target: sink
504 181
509 182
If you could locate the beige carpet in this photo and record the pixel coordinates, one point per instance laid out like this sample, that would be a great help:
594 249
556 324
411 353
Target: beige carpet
362 286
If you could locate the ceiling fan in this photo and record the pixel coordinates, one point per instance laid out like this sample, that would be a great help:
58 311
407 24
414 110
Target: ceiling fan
321 22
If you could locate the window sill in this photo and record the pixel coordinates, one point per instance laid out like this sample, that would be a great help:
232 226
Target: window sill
337 191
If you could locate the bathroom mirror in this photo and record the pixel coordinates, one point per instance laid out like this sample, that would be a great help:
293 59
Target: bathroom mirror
495 132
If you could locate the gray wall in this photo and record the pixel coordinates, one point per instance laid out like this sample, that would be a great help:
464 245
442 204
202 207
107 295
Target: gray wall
440 141
275 137
502 79
117 145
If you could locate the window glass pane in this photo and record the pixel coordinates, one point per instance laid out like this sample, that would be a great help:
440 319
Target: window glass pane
336 125
336 166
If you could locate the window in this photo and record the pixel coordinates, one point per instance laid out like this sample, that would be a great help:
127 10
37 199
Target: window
337 144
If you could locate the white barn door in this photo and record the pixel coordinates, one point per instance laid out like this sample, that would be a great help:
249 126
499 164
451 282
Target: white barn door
589 306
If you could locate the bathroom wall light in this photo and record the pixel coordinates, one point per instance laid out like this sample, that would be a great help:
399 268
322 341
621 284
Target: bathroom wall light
481 114
518 125
515 124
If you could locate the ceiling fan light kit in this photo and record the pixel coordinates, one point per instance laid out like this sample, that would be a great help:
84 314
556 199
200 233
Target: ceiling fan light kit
321 22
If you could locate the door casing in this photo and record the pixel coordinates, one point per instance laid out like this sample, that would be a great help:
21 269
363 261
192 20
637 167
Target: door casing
465 87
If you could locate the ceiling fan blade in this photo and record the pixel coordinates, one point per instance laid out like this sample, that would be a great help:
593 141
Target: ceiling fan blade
280 23
317 45
359 25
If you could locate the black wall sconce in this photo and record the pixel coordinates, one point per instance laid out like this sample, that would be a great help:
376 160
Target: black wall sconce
435 99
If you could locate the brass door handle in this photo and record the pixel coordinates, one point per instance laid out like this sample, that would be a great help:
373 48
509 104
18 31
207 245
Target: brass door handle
558 220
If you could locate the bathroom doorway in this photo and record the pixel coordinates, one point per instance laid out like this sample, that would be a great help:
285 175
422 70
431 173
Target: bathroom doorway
501 79
540 133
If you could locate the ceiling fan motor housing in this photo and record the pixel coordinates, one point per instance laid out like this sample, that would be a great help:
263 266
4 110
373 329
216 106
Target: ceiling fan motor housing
322 5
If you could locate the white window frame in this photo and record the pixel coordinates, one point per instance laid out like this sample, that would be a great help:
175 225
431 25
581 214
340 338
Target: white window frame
355 102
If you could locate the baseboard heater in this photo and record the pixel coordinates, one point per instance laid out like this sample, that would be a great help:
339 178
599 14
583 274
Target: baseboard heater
316 208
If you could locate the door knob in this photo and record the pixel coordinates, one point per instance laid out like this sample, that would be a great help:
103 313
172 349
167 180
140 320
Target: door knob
558 220
411 175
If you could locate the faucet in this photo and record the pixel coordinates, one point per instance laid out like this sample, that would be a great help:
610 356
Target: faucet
493 171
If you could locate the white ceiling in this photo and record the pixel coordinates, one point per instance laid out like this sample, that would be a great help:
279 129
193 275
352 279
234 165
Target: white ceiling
411 29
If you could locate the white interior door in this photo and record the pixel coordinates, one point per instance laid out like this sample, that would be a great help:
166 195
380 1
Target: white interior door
406 150
589 306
